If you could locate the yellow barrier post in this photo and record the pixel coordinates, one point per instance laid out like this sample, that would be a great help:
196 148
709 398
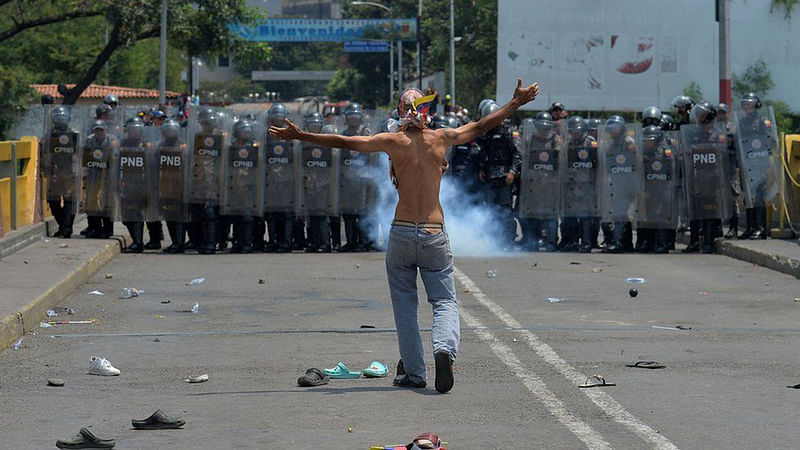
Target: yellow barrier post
18 161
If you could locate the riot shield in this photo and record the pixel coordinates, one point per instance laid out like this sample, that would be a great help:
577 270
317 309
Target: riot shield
318 184
135 173
244 177
354 179
758 153
174 174
61 157
620 167
211 137
579 172
658 207
99 182
704 150
539 184
282 175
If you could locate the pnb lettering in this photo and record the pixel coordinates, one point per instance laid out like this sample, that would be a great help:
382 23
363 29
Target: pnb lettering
277 160
131 161
248 164
704 158
618 169
322 164
174 161
63 149
96 165
208 152
354 162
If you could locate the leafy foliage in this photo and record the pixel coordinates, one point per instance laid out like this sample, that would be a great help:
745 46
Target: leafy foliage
787 5
694 91
756 78
16 94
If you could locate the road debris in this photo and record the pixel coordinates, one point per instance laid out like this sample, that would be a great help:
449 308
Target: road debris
635 280
196 281
17 344
491 273
555 300
96 292
129 293
197 378
633 292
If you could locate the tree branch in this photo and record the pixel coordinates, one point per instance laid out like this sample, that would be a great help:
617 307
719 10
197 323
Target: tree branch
22 26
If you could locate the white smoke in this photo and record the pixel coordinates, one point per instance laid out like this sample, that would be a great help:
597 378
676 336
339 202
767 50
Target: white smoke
473 227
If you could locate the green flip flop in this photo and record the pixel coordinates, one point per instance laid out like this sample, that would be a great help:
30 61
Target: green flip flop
341 371
375 370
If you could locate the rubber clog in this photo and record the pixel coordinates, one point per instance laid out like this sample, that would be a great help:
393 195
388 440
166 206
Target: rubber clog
158 421
341 371
376 369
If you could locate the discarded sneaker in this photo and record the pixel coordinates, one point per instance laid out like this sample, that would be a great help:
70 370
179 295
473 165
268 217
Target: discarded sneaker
341 371
313 377
158 421
85 439
101 366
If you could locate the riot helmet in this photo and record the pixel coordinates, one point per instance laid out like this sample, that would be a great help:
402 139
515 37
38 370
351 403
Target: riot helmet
243 130
615 126
99 130
385 126
452 121
682 103
60 117
652 134
651 116
354 115
704 113
329 129
313 122
489 108
667 123
439 121
543 124
576 127
103 112
722 108
277 115
111 100
208 119
134 129
170 130
750 101
483 103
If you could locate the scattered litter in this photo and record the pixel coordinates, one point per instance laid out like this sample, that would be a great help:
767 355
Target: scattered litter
595 381
160 316
597 270
196 308
367 326
349 429
165 302
797 299
491 274
156 340
575 263
356 266
675 328
96 293
635 280
646 365
17 344
467 290
261 281
45 325
633 292
26 262
555 300
129 293
794 386
45 240
515 339
682 327
703 293
109 276
69 311
73 322
51 313
196 281
63 245
56 382
197 379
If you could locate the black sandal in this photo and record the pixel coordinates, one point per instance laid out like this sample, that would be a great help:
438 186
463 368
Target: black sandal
646 365
158 421
85 439
313 377
595 381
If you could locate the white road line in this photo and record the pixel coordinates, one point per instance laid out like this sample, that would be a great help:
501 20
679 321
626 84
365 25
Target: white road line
600 398
536 385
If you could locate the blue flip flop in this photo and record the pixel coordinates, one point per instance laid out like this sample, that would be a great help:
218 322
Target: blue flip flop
376 369
341 371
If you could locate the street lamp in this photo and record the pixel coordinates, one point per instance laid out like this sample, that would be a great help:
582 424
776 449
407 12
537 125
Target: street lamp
391 48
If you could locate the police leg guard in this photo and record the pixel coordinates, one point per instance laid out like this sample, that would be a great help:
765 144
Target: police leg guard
661 239
614 242
760 230
258 233
570 229
733 227
750 223
284 229
207 246
608 231
106 228
313 232
548 230
709 233
530 234
587 227
335 223
362 234
694 237
236 242
222 232
58 215
176 232
324 235
136 230
156 232
299 240
645 240
93 229
349 232
246 234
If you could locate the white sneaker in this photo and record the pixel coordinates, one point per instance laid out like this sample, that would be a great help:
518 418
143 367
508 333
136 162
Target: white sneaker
101 366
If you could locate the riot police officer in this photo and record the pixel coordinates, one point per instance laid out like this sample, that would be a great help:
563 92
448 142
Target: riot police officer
173 184
651 116
757 144
464 161
61 164
97 188
658 194
579 209
207 157
731 169
501 162
682 106
621 164
133 182
281 195
243 184
354 184
539 184
318 186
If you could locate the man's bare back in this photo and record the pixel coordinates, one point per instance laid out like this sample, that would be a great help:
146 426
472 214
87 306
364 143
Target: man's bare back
417 154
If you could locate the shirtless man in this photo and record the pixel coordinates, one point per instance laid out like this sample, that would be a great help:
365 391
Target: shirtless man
418 240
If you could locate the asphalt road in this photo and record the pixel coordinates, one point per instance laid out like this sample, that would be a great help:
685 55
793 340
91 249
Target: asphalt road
520 361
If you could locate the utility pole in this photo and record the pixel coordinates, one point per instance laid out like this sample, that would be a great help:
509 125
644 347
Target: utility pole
162 70
400 65
419 46
452 55
724 19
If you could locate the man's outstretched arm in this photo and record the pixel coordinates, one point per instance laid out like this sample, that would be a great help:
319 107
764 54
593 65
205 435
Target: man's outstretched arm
472 130
365 144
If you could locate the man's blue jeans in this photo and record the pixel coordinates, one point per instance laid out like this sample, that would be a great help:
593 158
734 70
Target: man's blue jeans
411 249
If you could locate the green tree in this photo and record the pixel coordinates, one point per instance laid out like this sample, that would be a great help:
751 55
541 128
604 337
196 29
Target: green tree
756 78
694 91
16 93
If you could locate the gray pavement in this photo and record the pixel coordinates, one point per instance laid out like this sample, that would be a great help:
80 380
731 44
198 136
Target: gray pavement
724 385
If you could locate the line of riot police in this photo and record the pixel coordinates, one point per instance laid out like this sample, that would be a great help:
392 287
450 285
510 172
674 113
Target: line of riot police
208 177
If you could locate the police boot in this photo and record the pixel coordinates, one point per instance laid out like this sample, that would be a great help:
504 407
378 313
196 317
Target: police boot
694 237
673 234
236 242
324 235
733 227
194 235
627 237
362 242
760 230
709 233
93 229
569 235
614 241
222 234
587 228
106 228
595 221
349 233
335 226
284 230
136 230
750 223
176 232
66 230
298 235
156 231
645 240
258 234
207 246
246 235
549 236
661 241
608 232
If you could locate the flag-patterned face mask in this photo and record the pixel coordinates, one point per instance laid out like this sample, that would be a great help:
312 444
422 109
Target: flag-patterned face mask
416 108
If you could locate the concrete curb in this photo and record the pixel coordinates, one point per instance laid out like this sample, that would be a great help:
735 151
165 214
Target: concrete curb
19 239
779 263
27 318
